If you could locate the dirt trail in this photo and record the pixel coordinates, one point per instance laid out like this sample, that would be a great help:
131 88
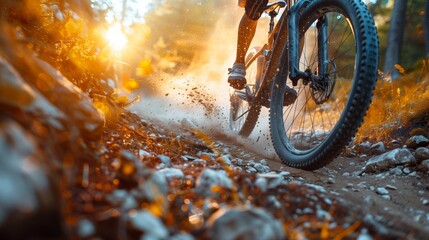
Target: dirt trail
404 210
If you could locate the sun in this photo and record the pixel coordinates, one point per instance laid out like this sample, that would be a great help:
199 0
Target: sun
116 37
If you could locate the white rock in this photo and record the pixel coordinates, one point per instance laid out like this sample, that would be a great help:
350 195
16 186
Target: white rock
22 181
152 227
143 153
317 187
378 148
155 189
382 191
123 198
421 154
327 201
189 157
250 169
210 178
391 187
364 235
237 168
238 161
242 223
417 141
380 175
368 199
12 83
273 201
85 228
251 162
130 157
273 179
170 173
322 214
199 161
117 196
424 165
261 183
129 203
307 211
26 98
165 159
362 147
406 170
182 236
261 168
387 197
225 159
390 159
68 97
158 181
161 166
398 171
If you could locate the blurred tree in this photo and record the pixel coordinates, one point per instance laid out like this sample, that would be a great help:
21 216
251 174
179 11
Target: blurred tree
61 32
413 34
426 27
414 39
180 29
396 33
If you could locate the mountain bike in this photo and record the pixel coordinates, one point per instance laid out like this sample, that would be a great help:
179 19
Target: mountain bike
326 51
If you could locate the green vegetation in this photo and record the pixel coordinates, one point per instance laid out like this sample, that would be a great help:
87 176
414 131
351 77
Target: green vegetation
412 51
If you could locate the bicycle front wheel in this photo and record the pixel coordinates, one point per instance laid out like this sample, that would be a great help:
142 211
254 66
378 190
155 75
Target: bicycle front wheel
244 111
329 110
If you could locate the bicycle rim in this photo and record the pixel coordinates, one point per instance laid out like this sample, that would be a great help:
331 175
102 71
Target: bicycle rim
327 113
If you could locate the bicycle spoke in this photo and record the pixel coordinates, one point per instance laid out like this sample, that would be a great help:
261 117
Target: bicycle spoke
341 44
296 106
244 113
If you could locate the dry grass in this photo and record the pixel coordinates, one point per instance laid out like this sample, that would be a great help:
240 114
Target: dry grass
398 105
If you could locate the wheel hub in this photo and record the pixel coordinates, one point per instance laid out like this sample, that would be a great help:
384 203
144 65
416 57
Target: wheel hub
323 86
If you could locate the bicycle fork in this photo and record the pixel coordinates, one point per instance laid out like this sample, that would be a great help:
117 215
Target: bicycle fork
295 49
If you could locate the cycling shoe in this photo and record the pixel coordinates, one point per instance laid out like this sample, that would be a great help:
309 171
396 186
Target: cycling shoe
237 76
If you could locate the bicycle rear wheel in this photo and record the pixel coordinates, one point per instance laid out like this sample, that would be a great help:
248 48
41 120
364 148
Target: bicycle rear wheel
327 113
244 112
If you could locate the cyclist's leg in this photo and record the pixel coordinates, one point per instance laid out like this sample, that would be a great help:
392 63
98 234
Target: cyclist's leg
246 32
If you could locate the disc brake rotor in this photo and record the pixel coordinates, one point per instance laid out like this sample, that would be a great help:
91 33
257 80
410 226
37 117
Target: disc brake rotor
321 88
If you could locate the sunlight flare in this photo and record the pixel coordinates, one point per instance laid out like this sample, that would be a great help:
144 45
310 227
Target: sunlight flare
116 38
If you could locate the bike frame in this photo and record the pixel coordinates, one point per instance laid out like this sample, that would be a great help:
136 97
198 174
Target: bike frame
284 47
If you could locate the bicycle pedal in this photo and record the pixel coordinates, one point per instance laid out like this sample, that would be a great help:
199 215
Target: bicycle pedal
237 85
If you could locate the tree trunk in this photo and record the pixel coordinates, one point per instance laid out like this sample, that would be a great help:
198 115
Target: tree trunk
124 12
396 32
426 28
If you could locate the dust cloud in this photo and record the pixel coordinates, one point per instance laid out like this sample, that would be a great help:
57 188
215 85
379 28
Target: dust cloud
199 96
